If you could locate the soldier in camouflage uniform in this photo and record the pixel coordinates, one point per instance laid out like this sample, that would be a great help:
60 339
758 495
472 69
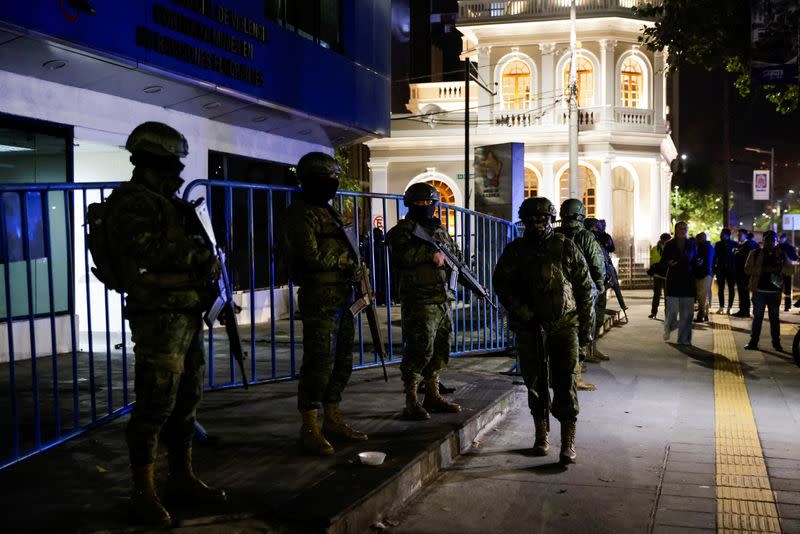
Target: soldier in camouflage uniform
324 265
573 212
543 282
168 273
426 301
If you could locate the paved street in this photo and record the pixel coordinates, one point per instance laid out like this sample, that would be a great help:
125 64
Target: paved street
646 443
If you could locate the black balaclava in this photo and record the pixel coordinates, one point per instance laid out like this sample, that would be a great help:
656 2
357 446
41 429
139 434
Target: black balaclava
538 227
421 213
164 175
319 190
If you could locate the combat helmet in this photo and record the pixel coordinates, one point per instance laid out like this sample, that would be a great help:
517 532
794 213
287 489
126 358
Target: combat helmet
158 139
572 208
316 164
420 191
591 221
537 206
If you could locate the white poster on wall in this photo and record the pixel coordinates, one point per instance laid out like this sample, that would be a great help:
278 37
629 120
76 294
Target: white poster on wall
760 185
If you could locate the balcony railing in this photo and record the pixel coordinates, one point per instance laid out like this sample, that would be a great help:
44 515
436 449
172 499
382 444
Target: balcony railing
469 10
633 116
448 96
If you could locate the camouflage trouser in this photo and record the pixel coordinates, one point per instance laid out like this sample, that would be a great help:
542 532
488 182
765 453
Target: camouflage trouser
170 363
328 332
562 348
426 330
599 312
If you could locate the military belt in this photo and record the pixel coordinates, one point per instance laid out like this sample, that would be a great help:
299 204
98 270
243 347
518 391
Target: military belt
426 275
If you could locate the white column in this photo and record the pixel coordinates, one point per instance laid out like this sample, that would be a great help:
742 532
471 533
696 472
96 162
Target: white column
656 223
658 92
548 84
608 80
605 200
379 183
485 73
666 189
548 187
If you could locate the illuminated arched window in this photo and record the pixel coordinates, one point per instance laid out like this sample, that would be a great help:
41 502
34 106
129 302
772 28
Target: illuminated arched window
587 187
631 87
516 85
585 81
531 183
446 196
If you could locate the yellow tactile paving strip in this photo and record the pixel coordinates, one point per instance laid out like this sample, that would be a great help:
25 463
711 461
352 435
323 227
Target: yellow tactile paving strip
745 501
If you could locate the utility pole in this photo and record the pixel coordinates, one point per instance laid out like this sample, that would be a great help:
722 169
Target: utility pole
573 106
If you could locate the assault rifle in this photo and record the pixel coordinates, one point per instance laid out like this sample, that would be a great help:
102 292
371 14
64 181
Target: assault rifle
223 307
459 274
365 301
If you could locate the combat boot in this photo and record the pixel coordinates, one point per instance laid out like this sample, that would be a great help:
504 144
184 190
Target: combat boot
581 385
414 409
541 445
334 426
597 353
145 507
567 455
311 439
434 402
183 486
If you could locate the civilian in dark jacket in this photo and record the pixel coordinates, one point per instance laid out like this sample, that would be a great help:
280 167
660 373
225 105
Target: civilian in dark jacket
791 253
746 245
725 268
701 268
678 257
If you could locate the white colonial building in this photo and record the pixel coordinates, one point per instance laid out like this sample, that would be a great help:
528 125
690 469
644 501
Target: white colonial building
521 51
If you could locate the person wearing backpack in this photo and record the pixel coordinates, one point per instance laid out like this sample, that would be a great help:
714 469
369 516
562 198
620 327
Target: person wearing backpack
659 273
543 282
167 272
766 267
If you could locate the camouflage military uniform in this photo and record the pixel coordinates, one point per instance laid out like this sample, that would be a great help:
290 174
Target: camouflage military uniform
425 298
547 283
321 263
593 254
166 297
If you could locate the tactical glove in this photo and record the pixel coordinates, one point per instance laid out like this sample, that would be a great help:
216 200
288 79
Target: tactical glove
584 338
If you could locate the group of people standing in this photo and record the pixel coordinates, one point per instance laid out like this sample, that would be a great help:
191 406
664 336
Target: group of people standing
551 282
684 268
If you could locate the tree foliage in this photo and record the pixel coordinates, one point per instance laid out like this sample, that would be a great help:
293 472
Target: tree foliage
714 34
701 211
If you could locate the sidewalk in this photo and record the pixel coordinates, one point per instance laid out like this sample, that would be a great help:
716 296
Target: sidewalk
82 486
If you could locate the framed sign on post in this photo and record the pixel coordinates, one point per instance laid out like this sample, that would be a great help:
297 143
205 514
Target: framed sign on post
761 185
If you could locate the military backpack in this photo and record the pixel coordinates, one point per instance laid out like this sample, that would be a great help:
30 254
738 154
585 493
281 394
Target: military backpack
107 265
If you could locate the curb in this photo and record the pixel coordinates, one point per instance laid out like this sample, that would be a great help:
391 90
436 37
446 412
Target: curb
404 485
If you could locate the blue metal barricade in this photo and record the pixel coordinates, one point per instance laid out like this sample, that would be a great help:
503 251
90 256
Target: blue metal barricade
64 365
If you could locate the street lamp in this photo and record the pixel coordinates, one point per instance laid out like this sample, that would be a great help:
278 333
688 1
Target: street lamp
771 153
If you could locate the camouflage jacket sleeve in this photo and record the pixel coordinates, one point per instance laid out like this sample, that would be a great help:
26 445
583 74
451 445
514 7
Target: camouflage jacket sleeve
505 281
577 271
408 251
302 228
593 254
152 230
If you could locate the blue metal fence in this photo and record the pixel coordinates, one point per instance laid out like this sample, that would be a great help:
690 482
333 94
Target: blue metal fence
64 347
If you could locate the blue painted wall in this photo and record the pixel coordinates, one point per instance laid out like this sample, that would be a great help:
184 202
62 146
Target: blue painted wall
351 87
